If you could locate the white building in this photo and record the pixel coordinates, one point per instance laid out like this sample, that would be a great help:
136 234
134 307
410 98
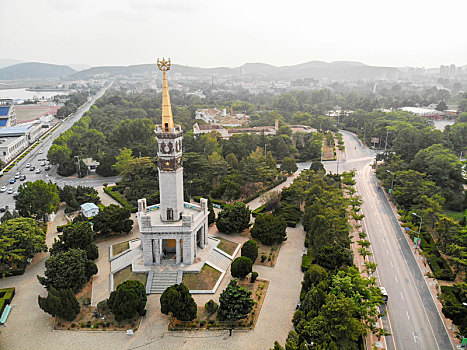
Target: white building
89 210
7 113
14 140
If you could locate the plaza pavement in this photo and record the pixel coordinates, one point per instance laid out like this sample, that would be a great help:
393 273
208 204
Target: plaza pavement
28 327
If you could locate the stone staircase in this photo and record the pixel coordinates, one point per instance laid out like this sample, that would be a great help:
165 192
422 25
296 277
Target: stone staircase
162 280
219 260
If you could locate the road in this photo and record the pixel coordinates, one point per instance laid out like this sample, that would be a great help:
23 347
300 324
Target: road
40 152
413 319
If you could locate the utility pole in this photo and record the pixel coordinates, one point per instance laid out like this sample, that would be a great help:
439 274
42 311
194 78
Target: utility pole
265 148
419 229
392 183
79 169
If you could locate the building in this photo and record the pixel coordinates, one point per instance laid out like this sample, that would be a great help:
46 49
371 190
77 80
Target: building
14 140
89 210
172 231
7 113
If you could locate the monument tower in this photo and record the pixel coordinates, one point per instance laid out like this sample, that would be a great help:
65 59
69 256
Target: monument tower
171 231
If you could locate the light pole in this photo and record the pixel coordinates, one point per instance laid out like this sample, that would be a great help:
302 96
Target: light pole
392 183
79 169
419 229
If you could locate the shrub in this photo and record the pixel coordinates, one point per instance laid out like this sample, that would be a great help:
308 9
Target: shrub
129 299
211 306
250 250
269 229
241 267
254 276
177 300
263 258
234 218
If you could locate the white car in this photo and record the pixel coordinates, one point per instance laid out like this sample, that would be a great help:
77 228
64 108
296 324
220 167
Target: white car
28 165
10 191
17 175
3 189
38 171
384 294
43 164
41 151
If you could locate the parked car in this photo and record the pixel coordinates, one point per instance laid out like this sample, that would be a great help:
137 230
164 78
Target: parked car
10 191
15 193
47 167
41 151
38 171
2 209
17 175
28 165
13 180
22 177
385 296
32 168
3 189
43 164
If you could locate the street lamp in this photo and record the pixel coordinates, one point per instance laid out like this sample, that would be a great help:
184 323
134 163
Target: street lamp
392 183
419 228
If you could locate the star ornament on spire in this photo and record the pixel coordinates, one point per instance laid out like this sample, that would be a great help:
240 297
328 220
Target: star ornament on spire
163 65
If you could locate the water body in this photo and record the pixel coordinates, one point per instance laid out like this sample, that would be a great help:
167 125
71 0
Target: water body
23 94
441 124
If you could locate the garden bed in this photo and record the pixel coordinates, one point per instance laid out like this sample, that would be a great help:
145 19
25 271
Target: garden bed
204 321
86 320
206 279
271 252
119 248
128 274
226 246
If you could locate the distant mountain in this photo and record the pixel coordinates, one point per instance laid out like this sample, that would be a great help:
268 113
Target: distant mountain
34 70
339 70
79 66
5 62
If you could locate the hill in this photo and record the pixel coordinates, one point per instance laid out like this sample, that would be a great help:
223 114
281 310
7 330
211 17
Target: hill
339 70
5 62
34 70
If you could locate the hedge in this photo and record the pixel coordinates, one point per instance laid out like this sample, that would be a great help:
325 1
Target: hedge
258 210
6 294
120 199
307 260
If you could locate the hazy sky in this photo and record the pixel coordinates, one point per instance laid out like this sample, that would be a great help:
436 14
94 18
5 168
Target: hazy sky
211 33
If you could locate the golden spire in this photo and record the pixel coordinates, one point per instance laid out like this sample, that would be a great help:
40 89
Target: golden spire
167 118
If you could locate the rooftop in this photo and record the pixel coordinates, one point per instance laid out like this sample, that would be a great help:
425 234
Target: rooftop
89 206
192 214
4 110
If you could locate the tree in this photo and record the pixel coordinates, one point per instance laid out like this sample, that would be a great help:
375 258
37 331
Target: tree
177 300
212 214
442 106
332 257
235 302
289 166
113 219
77 235
317 166
250 250
68 269
61 303
128 300
123 159
233 218
28 237
269 229
36 199
241 267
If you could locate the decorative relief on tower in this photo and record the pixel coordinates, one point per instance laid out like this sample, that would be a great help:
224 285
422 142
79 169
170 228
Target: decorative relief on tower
170 164
178 146
166 148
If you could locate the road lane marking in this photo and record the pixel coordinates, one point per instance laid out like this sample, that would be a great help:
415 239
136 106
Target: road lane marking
414 337
396 279
407 313
387 251
402 296
392 265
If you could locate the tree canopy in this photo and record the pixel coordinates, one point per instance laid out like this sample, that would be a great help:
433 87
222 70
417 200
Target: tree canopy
178 301
36 199
128 300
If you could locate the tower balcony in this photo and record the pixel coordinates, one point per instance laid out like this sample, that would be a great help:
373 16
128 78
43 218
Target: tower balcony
166 132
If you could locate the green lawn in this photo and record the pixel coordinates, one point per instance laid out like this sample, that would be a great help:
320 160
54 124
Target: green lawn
127 274
204 280
120 247
226 246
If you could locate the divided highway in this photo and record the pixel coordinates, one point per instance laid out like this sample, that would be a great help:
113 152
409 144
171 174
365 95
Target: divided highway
414 320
